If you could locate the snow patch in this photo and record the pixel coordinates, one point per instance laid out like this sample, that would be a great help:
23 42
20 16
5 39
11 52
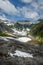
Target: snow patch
24 39
27 29
3 38
19 32
20 54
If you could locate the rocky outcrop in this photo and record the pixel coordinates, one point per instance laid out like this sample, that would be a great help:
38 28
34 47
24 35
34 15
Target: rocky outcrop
12 45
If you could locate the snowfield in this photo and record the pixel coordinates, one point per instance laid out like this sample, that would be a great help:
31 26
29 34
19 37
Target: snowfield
21 39
24 39
20 54
23 32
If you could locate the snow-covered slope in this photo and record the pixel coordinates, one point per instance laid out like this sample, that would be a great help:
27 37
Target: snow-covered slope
19 32
22 32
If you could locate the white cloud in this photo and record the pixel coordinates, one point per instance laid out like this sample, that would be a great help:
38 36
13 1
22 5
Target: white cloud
3 17
32 15
35 5
26 1
25 11
7 7
29 14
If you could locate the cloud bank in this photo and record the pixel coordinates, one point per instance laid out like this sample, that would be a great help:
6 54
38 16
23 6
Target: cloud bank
7 7
33 9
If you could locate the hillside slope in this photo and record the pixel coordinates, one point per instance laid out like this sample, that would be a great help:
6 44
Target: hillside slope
37 30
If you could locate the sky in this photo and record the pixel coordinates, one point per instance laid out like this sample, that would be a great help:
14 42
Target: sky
14 10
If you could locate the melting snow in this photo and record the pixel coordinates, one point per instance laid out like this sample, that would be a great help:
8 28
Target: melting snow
21 54
24 39
21 39
3 38
19 32
27 29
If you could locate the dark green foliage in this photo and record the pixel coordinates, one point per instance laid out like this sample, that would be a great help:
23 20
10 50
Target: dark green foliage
20 26
3 34
37 29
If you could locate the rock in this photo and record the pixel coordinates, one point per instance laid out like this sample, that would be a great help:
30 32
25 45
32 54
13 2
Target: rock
13 45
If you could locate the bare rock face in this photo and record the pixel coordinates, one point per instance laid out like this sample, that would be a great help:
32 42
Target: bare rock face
12 45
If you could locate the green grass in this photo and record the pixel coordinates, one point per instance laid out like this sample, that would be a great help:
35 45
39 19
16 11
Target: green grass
3 34
40 39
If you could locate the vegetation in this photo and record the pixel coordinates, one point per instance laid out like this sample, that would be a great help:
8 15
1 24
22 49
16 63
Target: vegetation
3 34
37 31
20 26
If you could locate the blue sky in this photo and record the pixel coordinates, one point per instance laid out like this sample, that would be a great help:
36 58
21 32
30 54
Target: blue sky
21 9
